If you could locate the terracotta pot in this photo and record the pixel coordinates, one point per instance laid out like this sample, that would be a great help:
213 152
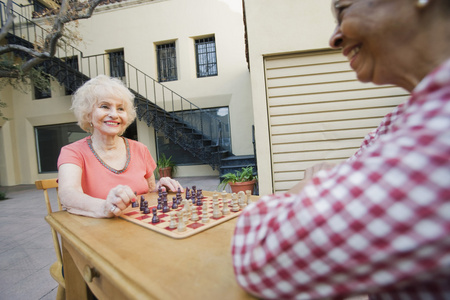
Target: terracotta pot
165 172
236 187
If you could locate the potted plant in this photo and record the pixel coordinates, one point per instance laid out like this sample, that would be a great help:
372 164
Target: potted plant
242 180
166 166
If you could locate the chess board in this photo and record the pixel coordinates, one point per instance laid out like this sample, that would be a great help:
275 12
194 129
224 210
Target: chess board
133 214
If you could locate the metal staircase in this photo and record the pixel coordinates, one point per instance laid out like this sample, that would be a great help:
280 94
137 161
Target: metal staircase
157 105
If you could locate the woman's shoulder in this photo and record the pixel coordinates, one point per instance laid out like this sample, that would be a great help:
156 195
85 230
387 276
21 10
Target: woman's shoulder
135 143
77 144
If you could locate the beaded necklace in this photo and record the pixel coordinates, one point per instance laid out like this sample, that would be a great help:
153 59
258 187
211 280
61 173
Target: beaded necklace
89 141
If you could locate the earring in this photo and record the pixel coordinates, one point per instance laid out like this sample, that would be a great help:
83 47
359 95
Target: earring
91 124
421 3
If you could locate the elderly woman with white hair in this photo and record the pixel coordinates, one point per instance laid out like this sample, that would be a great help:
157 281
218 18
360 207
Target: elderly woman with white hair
99 175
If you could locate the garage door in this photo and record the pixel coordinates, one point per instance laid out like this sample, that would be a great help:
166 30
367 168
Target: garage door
319 111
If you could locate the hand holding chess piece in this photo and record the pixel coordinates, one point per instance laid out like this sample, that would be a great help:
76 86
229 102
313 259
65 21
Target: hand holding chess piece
118 199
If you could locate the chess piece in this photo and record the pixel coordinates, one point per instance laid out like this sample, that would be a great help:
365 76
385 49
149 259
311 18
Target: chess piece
194 215
234 203
225 208
216 211
155 218
205 215
241 202
248 193
181 225
199 202
159 206
141 204
173 221
166 207
174 203
200 193
146 209
188 194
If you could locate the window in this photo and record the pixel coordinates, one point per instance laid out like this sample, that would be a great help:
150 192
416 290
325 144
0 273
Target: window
49 141
43 93
117 64
205 121
39 7
167 62
205 50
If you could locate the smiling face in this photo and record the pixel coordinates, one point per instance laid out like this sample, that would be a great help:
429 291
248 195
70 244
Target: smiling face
109 116
375 36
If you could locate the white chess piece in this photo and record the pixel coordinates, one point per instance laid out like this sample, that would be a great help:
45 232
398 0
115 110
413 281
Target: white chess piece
205 215
173 222
181 225
194 215
249 193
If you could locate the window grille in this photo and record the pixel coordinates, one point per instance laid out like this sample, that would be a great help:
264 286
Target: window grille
167 62
117 64
205 50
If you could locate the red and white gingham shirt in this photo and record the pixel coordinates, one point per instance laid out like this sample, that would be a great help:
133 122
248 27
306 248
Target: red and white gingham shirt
376 224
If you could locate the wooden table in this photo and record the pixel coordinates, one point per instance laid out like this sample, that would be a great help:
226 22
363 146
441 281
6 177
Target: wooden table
121 260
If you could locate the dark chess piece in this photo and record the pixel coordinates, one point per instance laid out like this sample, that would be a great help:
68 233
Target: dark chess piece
146 208
155 218
174 203
141 204
188 194
159 206
166 207
199 202
200 193
159 191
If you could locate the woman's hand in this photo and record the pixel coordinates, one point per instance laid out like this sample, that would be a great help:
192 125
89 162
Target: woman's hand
118 199
169 183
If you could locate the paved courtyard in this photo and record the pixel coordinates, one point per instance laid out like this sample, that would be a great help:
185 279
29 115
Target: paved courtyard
26 247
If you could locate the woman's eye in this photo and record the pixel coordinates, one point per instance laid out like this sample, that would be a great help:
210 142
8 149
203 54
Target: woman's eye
340 8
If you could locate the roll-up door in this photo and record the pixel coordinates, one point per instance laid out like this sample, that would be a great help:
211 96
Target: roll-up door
319 111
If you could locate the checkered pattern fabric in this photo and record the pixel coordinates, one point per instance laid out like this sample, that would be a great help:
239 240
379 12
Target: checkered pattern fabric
376 224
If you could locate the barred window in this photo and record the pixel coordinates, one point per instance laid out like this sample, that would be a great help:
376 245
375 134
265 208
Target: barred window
167 62
117 64
205 50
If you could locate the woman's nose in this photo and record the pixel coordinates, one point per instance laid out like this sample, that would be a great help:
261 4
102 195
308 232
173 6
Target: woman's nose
336 38
113 113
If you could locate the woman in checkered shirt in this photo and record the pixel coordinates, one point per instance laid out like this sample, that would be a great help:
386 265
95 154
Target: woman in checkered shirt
378 223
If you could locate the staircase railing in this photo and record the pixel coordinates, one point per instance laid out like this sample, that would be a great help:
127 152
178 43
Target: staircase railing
155 98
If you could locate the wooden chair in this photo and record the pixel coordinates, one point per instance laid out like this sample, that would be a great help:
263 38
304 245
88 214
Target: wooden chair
56 268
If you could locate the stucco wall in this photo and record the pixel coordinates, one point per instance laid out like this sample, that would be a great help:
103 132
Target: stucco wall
274 28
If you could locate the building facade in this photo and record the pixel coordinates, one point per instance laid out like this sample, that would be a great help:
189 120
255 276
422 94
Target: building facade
190 53
308 104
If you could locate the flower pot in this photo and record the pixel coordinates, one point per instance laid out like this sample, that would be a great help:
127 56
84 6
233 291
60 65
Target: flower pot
165 172
236 187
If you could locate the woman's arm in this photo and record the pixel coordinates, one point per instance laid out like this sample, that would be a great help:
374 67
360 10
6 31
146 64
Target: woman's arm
77 202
